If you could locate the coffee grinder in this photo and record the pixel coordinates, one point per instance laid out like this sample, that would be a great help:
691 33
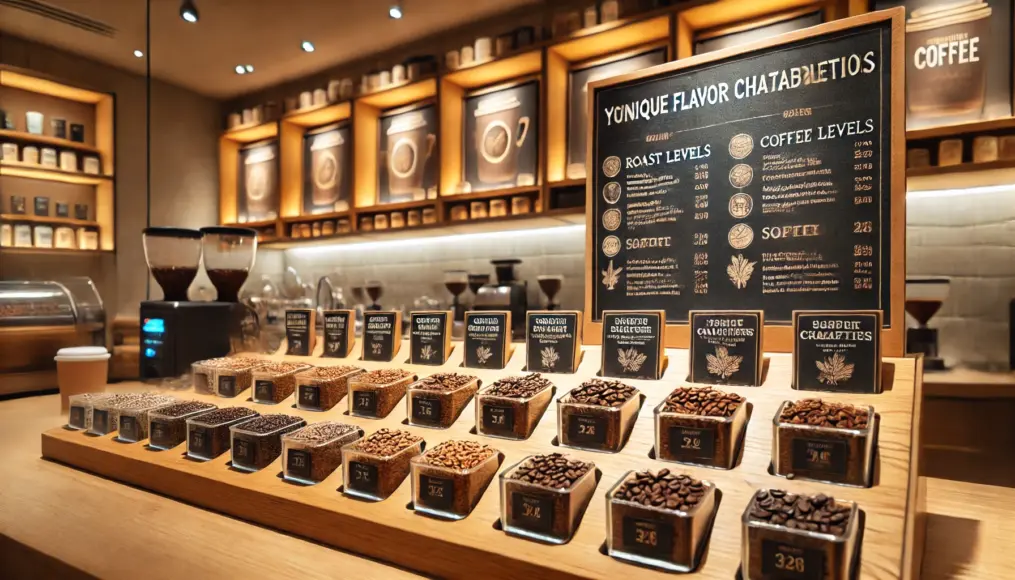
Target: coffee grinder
506 294
924 297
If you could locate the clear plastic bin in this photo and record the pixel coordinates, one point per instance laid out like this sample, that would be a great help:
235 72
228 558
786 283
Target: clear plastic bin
106 413
543 513
321 388
374 395
257 443
134 423
312 453
376 476
447 492
828 454
276 381
510 417
225 377
596 427
80 412
208 434
167 426
699 439
428 407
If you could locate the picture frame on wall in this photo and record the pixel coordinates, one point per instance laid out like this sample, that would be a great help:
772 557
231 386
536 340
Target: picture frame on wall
327 169
501 138
258 182
716 39
408 158
578 81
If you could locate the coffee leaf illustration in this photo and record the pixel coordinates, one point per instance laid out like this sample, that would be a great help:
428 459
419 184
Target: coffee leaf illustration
427 352
611 276
483 354
834 370
549 357
722 363
631 360
376 348
740 271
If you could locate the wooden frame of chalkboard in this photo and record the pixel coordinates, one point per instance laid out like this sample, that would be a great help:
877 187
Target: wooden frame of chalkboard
874 278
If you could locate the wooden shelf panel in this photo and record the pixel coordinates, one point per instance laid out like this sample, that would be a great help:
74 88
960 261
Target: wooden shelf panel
494 71
253 225
943 131
53 251
27 82
961 168
317 217
13 217
42 140
319 115
491 194
49 174
567 183
389 531
252 133
613 37
400 95
401 206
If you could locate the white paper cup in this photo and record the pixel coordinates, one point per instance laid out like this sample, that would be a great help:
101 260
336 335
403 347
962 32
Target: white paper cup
81 369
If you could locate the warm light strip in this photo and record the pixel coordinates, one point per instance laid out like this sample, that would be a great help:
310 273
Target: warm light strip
458 238
956 192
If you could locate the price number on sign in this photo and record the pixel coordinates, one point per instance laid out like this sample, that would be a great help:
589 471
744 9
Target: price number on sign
701 238
700 187
646 537
435 490
425 410
532 511
363 400
701 201
819 456
701 215
789 563
701 166
863 166
863 154
298 461
585 429
863 283
701 174
863 251
497 419
864 227
691 443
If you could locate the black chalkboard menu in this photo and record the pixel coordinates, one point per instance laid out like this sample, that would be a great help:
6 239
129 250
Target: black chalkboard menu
758 181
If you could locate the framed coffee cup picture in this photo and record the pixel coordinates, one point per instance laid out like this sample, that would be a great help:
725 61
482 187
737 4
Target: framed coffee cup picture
577 108
258 181
327 169
501 137
958 60
408 165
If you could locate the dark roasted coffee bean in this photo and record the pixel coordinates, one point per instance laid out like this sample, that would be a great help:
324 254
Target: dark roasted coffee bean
705 401
520 387
602 393
444 382
812 513
821 414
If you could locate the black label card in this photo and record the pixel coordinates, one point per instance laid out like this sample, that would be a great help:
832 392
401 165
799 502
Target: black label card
18 204
820 455
100 421
726 347
309 396
159 433
298 326
243 451
632 344
264 390
80 211
587 429
379 336
790 562
648 537
297 463
428 337
62 210
337 337
227 386
486 339
437 492
426 409
198 442
365 403
692 442
531 512
363 477
550 340
42 206
128 428
497 419
77 417
837 351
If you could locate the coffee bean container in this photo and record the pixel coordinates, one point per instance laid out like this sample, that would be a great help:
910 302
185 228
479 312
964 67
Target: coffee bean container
438 409
275 382
699 439
208 434
167 430
510 417
540 512
311 462
596 427
134 423
669 539
828 454
374 400
106 412
773 552
80 409
223 377
257 443
315 393
373 476
450 493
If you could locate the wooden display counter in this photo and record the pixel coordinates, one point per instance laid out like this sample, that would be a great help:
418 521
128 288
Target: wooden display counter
390 531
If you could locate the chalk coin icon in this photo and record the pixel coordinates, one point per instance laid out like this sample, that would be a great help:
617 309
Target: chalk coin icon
612 219
741 175
740 236
741 146
741 205
611 246
611 166
611 192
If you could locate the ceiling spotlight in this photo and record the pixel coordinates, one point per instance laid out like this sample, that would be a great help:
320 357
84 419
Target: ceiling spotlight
395 11
138 53
307 46
249 68
240 70
188 11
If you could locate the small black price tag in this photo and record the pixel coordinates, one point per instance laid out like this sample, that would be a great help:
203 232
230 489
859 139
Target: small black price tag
227 386
426 410
310 396
297 463
264 391
128 428
42 206
100 421
62 210
198 442
80 211
159 433
437 492
18 204
497 419
587 429
243 451
790 562
77 417
363 477
692 442
820 455
532 512
365 403
648 537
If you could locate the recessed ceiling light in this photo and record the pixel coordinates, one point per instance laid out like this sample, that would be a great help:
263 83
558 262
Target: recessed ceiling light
240 70
395 11
249 67
188 11
138 53
307 46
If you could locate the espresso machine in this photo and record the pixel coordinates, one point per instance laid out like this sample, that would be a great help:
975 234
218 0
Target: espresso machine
508 293
176 332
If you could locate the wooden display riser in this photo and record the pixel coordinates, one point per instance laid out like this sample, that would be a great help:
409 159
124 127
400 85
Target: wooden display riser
475 547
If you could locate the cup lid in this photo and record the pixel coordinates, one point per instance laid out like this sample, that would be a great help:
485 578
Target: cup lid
169 232
82 353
